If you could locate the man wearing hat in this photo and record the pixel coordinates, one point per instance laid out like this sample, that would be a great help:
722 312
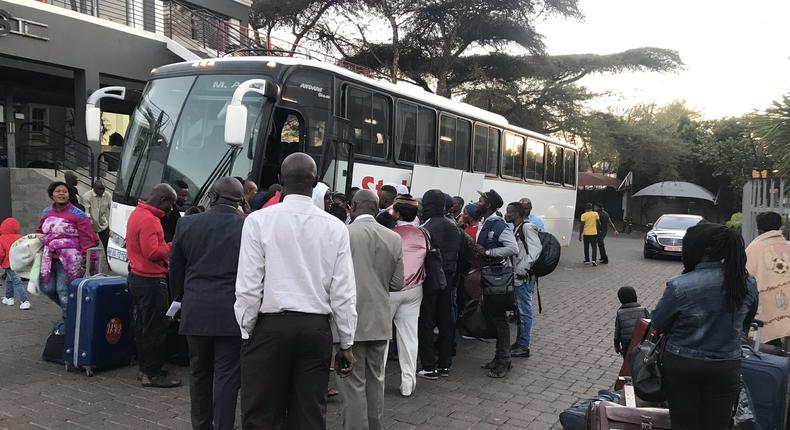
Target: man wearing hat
203 265
496 243
530 217
405 304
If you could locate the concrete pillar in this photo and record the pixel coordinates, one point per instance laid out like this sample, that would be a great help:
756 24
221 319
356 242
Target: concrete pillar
10 127
85 82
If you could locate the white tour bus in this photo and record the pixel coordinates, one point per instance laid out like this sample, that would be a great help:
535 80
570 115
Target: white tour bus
197 121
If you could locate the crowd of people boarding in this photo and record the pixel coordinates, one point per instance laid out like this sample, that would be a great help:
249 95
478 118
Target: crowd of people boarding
280 287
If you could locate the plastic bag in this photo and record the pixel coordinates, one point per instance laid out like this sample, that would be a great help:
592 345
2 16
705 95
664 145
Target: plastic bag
743 415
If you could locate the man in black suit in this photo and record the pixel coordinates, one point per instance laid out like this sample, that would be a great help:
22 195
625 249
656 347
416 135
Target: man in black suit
203 266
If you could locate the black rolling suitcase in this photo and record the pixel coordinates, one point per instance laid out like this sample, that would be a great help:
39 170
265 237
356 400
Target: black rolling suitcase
766 377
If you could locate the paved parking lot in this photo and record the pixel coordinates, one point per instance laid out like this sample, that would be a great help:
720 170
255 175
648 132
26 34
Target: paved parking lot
572 356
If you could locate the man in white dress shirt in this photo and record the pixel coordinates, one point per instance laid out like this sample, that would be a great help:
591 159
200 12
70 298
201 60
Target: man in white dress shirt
295 271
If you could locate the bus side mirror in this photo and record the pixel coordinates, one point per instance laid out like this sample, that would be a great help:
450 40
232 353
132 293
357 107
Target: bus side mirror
236 113
93 124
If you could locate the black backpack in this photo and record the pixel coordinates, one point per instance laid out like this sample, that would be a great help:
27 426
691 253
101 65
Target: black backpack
549 256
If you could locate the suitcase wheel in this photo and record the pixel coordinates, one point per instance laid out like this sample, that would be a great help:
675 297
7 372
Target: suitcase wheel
88 372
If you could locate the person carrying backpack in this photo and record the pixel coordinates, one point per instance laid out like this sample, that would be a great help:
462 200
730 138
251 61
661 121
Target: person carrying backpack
496 245
529 249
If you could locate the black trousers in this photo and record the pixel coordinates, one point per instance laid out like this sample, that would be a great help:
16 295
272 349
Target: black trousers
214 381
590 242
150 300
701 393
436 310
602 247
495 309
285 372
104 237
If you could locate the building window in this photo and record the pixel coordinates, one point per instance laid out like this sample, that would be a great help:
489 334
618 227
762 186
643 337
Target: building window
513 156
454 142
368 114
554 164
534 164
486 150
569 167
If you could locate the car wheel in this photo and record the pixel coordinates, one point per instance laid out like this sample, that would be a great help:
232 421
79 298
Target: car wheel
647 253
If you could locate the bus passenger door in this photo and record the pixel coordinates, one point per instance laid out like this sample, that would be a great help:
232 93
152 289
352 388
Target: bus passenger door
286 136
337 166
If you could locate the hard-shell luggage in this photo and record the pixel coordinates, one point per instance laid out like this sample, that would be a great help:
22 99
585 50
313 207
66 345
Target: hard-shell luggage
605 415
99 324
766 377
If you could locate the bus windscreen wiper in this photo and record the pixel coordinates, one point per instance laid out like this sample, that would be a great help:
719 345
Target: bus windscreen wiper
143 152
224 165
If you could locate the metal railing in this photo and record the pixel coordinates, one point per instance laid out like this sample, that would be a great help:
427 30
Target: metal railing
41 146
763 195
107 169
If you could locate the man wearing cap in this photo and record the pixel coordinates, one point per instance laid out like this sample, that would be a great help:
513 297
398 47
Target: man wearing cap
496 243
406 303
530 217
203 264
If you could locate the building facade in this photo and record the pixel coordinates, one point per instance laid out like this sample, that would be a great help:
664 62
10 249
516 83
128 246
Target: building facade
55 53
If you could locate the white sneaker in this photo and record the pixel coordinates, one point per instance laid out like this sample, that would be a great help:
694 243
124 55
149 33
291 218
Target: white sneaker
406 389
7 301
24 306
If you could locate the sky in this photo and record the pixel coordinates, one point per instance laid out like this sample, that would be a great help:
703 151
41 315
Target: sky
736 53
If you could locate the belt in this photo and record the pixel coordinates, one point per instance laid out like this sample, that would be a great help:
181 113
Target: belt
291 313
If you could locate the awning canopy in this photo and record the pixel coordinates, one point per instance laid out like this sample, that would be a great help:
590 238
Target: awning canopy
587 179
676 189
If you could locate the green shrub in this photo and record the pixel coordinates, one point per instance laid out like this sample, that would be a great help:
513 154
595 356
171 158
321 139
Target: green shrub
735 221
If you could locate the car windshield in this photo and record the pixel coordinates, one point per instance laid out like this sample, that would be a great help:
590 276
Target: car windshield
676 223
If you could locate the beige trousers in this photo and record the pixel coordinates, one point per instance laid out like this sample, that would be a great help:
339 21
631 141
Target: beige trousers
362 392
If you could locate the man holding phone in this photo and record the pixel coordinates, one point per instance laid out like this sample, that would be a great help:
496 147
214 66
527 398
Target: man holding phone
295 272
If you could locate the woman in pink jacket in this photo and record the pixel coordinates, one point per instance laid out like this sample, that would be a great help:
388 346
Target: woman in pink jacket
68 234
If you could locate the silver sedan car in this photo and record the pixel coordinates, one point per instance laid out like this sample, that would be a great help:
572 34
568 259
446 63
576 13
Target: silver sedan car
666 236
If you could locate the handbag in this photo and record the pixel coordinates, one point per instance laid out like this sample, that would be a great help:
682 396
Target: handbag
475 322
497 283
646 368
435 280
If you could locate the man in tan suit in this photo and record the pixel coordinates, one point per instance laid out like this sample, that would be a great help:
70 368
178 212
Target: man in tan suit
378 268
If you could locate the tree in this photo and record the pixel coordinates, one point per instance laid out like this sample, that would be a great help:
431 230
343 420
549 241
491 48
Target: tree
542 92
773 127
300 16
443 32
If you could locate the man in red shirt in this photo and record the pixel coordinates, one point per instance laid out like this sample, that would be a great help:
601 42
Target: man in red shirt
148 263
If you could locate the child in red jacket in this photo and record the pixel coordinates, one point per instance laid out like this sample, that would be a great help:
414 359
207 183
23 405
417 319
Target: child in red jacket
9 233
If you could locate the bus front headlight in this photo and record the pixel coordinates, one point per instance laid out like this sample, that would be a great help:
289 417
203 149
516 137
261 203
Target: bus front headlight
117 240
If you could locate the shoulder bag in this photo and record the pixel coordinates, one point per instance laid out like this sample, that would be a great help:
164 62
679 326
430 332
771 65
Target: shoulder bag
646 368
435 280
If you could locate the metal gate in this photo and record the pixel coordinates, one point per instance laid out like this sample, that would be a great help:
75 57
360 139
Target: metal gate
763 195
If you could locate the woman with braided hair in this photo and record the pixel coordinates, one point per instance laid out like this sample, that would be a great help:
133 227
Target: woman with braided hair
704 313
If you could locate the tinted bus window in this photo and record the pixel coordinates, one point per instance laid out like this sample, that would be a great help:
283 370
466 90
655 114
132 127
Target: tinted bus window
426 137
486 150
535 153
368 115
406 133
513 157
454 142
554 164
569 168
311 93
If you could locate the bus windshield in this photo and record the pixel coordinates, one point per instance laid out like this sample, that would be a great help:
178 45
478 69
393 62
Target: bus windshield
177 134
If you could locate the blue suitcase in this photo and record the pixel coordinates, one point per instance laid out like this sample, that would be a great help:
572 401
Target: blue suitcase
98 324
766 377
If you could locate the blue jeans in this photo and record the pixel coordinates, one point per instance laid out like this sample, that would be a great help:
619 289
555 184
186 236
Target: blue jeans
57 288
524 301
14 283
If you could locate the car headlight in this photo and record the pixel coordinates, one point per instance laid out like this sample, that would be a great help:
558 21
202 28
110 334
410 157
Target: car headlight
651 237
117 240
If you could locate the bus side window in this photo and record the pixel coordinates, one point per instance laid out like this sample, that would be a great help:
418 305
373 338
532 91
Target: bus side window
455 138
535 166
554 164
569 168
369 115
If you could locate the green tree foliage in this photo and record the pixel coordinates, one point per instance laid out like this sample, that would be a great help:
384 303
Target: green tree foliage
300 17
773 127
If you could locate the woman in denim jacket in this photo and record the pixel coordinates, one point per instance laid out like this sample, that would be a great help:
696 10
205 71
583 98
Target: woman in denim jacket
704 313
